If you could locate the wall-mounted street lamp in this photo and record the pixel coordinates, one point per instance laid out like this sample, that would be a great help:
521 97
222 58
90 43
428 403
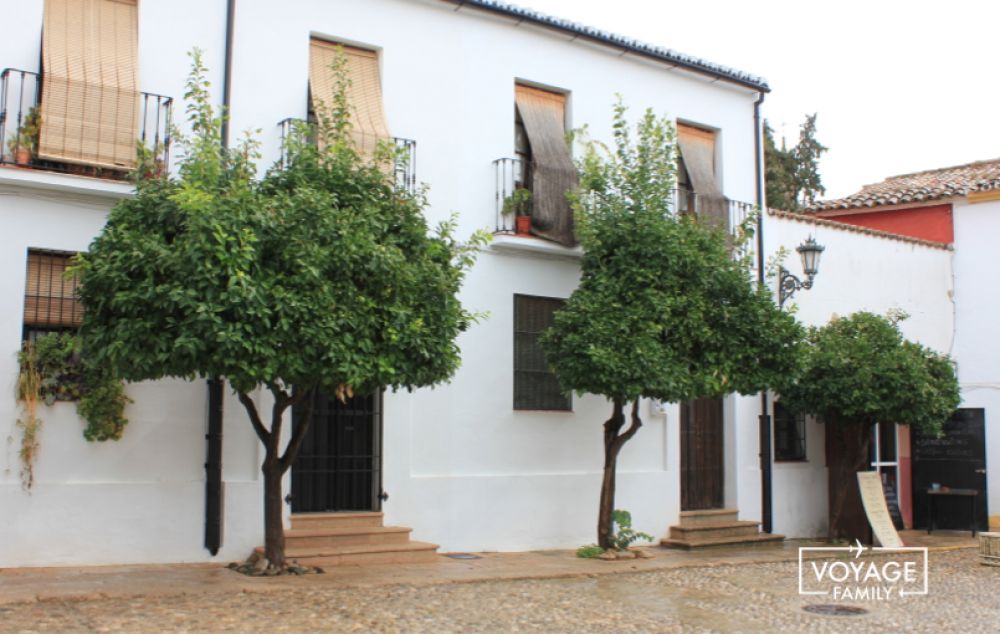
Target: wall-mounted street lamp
809 251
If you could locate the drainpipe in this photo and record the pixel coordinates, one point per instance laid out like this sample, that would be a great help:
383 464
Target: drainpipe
764 421
214 486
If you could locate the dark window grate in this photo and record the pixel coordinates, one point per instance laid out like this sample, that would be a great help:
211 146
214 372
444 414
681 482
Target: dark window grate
535 386
789 434
50 300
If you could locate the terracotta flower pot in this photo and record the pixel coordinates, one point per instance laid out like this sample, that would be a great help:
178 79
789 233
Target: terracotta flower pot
22 156
523 225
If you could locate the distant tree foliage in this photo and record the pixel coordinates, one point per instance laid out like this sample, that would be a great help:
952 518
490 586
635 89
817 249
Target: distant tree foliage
792 174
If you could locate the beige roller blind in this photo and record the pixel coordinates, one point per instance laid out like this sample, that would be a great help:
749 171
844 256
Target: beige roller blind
697 147
90 83
552 172
50 298
364 94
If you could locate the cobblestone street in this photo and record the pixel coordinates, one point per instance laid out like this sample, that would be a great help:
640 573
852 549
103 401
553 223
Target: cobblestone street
753 597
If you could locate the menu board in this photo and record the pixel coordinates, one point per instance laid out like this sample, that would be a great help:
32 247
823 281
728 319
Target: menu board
873 499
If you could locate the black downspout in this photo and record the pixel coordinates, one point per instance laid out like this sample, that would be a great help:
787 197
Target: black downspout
214 486
767 523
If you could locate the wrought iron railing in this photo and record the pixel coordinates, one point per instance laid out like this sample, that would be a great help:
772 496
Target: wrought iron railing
22 123
404 169
509 176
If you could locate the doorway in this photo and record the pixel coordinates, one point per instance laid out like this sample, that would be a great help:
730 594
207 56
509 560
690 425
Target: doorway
701 454
339 466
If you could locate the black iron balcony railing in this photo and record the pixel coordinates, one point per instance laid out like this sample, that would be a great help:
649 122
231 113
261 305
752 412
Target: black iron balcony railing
99 132
404 168
509 178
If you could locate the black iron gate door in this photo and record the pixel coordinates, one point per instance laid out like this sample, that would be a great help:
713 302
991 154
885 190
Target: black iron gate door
339 466
957 460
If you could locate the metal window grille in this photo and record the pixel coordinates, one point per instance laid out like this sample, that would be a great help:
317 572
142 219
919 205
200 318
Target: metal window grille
50 300
789 434
535 386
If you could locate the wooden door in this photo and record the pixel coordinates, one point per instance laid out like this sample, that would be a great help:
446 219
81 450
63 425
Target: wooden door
339 466
701 454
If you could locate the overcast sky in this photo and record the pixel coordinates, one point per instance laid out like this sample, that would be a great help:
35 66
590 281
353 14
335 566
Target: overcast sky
899 86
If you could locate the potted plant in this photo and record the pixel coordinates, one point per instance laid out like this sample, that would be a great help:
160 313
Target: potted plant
24 143
519 203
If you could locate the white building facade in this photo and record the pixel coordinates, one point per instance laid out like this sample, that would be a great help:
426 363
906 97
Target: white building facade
464 464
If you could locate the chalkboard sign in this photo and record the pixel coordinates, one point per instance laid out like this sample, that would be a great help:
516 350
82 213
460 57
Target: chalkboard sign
961 440
892 501
956 460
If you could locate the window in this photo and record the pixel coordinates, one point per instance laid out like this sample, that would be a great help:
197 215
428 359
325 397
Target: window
89 94
547 168
50 303
364 92
697 166
535 386
789 434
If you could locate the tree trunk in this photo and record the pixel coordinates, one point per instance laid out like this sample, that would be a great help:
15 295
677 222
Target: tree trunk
854 440
613 443
275 464
274 529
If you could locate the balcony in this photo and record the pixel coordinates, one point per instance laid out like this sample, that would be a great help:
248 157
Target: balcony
404 170
509 178
90 139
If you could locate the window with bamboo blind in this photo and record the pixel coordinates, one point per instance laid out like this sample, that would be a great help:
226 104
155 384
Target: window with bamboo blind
364 92
535 385
697 168
50 301
90 81
540 138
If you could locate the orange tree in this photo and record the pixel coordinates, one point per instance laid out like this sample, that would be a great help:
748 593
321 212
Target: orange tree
663 310
322 276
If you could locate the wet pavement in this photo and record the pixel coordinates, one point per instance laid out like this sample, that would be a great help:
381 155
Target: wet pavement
723 590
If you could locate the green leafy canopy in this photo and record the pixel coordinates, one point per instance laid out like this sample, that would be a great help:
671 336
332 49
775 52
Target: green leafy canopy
860 369
321 275
663 310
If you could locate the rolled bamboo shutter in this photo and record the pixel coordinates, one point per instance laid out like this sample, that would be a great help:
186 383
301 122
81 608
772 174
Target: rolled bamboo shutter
698 150
364 94
90 83
49 298
553 172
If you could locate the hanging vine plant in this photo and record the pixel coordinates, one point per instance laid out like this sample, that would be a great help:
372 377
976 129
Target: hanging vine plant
51 370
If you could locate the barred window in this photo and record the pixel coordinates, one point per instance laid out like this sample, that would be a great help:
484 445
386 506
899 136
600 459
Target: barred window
535 386
50 301
789 434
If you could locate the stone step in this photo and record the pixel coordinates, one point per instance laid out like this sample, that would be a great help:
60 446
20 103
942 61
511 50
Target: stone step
715 529
760 539
708 516
336 520
407 553
347 536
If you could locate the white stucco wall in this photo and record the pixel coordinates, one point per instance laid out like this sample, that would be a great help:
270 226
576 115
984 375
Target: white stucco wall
977 347
461 467
857 272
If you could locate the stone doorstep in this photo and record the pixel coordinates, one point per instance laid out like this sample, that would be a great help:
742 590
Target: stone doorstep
715 529
335 520
346 536
405 553
760 539
708 516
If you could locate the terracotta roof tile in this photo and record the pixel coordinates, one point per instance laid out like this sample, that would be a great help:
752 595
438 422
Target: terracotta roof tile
934 184
843 226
